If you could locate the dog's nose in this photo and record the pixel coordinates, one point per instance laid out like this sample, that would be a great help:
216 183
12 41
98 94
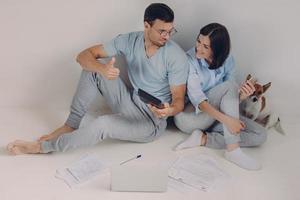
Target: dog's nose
254 99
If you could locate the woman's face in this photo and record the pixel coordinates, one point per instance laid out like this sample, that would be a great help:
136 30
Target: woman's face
203 49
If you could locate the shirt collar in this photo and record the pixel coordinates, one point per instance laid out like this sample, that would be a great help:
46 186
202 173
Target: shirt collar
203 62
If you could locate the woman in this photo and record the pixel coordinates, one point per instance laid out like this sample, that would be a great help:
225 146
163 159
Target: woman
213 117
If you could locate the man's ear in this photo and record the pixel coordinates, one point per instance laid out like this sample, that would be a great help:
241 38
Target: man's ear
146 25
266 86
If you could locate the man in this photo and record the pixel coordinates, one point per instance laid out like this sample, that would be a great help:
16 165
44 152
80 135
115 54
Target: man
155 64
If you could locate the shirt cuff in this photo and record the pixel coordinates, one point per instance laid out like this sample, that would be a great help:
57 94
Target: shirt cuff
109 49
197 103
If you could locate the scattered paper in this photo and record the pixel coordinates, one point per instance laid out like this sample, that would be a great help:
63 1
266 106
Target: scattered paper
81 170
199 171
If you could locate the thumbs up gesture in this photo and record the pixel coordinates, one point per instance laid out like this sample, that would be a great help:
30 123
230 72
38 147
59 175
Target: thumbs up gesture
111 72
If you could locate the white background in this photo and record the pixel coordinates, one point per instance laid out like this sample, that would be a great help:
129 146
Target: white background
39 41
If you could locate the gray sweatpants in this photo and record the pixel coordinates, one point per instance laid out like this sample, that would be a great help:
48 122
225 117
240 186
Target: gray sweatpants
131 119
225 98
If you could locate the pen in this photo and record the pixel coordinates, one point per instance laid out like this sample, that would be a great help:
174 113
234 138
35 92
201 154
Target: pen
136 157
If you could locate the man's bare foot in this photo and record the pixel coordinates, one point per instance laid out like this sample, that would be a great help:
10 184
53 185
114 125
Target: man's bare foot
55 134
23 147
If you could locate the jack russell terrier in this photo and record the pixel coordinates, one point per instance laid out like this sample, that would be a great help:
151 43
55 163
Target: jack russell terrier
257 107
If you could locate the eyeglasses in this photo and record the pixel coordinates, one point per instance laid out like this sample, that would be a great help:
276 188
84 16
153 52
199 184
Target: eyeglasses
165 33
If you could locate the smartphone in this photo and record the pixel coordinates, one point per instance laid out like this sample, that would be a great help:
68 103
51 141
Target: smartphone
149 99
252 80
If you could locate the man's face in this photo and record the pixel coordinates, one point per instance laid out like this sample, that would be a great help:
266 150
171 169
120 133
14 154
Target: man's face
159 32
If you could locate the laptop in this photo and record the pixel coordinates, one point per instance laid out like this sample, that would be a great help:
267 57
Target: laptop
139 178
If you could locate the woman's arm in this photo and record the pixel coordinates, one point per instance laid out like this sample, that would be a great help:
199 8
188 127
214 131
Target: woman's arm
234 125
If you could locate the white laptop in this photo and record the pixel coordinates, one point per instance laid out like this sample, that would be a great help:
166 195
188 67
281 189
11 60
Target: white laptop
139 178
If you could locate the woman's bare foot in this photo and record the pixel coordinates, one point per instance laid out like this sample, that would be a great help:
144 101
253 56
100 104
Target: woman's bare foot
55 134
23 147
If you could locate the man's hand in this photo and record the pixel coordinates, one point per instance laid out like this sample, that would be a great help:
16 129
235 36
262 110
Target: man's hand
110 71
234 125
246 89
161 113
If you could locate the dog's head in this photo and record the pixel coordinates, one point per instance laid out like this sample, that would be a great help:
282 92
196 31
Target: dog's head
259 89
255 103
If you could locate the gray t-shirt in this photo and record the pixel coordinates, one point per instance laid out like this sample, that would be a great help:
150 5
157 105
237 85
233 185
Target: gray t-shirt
168 66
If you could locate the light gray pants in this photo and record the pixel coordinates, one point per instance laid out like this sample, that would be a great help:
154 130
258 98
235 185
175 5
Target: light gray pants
131 119
225 98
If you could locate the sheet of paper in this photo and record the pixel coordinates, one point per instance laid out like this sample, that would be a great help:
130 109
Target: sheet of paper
82 170
199 171
180 187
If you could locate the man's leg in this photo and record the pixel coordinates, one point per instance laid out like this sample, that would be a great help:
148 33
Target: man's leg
91 84
133 116
85 93
115 126
132 121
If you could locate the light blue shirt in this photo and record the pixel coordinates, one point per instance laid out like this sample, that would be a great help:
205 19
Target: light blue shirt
201 79
168 66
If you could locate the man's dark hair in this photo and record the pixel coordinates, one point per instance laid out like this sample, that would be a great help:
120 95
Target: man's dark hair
219 43
158 11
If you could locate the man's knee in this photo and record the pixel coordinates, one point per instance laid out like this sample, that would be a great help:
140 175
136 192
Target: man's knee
153 134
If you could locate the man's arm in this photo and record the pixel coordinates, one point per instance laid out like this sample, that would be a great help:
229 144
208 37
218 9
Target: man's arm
177 105
178 93
88 61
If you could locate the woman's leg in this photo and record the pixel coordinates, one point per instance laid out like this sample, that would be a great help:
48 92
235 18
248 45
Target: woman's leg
187 121
225 98
253 135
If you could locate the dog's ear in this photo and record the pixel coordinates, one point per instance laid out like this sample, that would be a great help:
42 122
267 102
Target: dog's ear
248 77
266 86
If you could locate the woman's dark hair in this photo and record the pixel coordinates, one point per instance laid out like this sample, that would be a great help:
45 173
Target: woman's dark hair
158 11
219 43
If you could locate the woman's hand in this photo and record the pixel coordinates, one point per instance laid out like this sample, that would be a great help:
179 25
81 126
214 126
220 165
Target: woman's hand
246 89
234 125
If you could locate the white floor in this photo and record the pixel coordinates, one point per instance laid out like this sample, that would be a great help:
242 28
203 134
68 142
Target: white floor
32 176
